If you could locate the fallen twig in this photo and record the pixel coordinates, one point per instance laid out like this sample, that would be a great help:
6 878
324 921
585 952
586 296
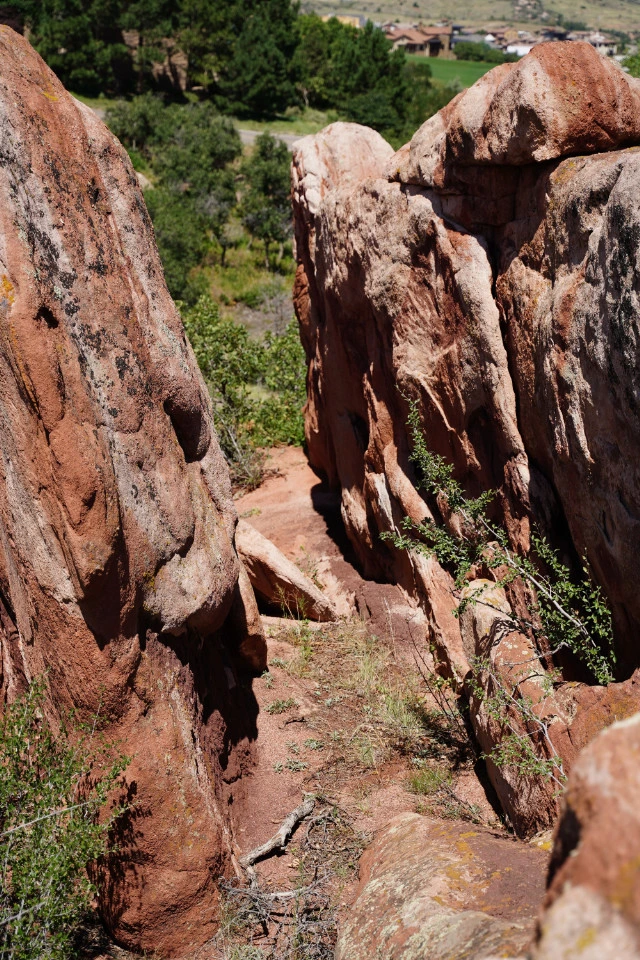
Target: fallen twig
279 840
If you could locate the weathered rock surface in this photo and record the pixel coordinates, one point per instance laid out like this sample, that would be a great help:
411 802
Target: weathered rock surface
553 103
432 890
492 277
277 579
118 571
593 903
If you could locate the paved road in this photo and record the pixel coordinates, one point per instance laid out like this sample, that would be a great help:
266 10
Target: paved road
249 137
246 136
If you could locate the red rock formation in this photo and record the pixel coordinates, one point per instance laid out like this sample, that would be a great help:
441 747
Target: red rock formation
592 908
277 580
485 272
118 572
436 890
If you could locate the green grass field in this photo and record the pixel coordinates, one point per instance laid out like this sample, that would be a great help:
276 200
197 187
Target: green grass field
297 122
446 71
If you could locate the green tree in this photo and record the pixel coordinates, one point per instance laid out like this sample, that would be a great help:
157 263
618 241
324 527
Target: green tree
155 22
255 76
266 203
632 65
190 147
142 124
206 38
81 41
52 791
194 148
482 52
356 73
181 231
353 70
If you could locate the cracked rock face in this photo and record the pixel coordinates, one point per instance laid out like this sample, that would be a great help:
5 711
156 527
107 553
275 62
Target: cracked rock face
487 273
118 571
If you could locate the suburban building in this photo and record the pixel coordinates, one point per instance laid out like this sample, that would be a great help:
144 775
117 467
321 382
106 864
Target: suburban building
434 41
603 44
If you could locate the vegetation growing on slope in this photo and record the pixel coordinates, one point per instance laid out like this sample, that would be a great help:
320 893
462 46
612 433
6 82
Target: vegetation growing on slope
207 206
54 792
248 58
565 612
257 387
265 206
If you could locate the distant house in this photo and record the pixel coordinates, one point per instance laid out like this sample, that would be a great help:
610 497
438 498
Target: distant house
554 33
520 49
416 38
603 44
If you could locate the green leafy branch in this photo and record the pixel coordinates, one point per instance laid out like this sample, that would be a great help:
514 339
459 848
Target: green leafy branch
563 613
526 744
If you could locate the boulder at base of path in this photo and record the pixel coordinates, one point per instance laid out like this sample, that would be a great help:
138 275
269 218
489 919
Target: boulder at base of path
433 890
277 580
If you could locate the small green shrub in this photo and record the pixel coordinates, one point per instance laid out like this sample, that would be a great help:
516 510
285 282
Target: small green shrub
482 52
257 387
52 791
281 706
295 765
567 612
428 781
564 612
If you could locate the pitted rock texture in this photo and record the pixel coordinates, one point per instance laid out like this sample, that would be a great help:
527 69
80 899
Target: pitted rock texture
118 571
431 890
492 277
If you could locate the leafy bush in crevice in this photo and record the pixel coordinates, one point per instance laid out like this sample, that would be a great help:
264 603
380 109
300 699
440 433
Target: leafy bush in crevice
55 821
564 611
257 387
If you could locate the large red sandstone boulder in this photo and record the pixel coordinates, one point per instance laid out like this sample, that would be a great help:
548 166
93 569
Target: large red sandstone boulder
567 289
559 100
118 572
518 338
278 580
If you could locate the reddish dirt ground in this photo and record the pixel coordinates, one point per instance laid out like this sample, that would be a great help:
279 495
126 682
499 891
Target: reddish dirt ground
323 670
344 715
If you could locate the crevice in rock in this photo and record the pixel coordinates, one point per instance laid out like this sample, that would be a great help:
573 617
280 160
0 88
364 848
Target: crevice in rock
46 316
